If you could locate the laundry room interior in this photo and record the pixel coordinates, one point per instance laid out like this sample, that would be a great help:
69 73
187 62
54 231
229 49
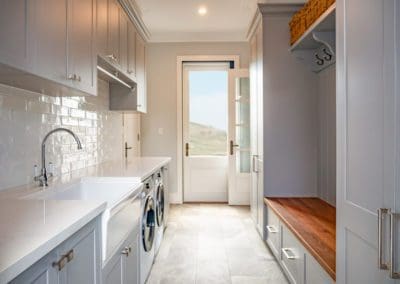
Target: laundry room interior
199 141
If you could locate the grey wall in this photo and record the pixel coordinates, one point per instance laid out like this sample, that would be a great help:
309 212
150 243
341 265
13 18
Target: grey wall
162 91
327 134
290 116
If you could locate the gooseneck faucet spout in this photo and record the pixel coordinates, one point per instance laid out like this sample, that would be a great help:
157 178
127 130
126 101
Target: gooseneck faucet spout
43 177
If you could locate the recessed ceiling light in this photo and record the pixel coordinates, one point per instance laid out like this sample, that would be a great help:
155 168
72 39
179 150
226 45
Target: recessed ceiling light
202 10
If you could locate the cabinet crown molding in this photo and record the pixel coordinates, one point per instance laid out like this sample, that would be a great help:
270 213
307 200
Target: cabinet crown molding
279 9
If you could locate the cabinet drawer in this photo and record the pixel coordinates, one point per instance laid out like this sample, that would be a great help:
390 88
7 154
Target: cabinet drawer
315 274
292 257
273 232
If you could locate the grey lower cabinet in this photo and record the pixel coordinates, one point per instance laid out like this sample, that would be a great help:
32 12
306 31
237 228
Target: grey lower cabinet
76 261
123 266
299 266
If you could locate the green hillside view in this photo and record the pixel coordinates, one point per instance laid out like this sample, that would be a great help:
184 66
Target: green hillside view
207 140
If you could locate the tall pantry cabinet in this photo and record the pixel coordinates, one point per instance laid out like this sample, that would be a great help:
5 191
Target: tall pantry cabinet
368 124
283 114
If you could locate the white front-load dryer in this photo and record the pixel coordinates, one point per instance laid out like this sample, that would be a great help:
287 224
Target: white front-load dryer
147 230
159 198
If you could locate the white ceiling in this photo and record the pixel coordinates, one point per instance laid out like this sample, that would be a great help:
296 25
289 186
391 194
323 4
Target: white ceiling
179 21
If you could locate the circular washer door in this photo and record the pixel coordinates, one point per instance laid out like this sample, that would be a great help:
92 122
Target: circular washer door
148 224
160 204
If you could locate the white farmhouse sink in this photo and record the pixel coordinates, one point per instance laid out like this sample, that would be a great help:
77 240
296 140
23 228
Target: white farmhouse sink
122 214
110 190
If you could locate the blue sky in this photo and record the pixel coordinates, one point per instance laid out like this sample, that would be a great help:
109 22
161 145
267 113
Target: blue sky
209 98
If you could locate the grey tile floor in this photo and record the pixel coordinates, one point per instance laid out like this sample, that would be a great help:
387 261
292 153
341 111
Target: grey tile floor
207 243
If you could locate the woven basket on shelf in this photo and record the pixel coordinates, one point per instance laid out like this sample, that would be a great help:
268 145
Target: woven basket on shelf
304 18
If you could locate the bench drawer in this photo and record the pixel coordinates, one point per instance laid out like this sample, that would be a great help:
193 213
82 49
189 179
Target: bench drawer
315 274
292 257
273 232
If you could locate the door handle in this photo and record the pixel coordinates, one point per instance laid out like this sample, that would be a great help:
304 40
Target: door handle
392 272
126 149
187 149
231 146
381 215
255 169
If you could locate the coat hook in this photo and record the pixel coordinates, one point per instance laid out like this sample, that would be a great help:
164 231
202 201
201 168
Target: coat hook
320 61
327 56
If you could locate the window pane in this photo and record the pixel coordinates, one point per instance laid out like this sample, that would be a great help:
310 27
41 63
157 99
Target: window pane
243 124
208 112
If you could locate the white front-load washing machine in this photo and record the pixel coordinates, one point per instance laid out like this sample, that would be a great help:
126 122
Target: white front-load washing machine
159 198
147 230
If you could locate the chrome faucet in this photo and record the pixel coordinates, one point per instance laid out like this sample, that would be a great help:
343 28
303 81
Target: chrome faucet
42 178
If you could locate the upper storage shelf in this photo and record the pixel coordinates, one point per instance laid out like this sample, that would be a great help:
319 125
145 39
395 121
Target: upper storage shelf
316 47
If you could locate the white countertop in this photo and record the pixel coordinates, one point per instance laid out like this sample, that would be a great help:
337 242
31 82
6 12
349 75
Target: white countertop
138 169
29 229
35 227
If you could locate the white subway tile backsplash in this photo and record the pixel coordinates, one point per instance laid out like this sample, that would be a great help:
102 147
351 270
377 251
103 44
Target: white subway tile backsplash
26 117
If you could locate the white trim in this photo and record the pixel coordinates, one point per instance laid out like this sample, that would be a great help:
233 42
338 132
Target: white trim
178 197
133 11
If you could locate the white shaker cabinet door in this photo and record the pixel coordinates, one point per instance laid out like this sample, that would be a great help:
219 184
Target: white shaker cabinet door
47 37
141 74
83 259
42 272
366 127
80 45
13 33
131 49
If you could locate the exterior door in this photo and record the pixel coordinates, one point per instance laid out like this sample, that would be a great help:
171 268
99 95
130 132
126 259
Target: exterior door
239 137
131 147
205 132
367 145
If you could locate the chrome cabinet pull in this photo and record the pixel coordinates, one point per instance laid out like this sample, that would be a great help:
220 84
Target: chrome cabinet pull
381 213
286 253
126 251
112 56
393 274
61 263
70 255
272 229
255 169
74 77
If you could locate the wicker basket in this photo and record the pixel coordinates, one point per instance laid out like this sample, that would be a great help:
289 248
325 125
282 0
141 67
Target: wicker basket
304 18
321 7
329 3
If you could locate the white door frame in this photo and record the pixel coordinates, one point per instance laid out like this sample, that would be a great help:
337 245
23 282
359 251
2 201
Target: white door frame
238 183
177 197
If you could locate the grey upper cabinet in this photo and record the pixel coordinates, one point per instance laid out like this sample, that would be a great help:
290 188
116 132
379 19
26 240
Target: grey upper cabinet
113 32
141 74
47 42
131 49
101 27
81 70
123 40
13 32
